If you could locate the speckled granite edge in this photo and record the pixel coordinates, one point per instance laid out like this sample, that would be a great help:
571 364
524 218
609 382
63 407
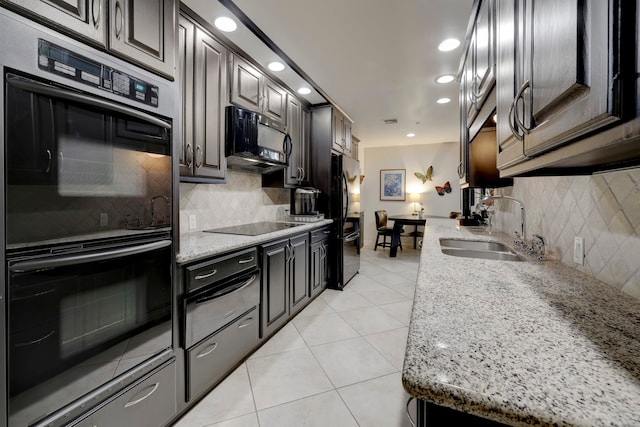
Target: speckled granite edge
523 343
198 245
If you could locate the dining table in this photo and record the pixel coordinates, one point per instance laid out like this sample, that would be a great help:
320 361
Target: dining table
399 221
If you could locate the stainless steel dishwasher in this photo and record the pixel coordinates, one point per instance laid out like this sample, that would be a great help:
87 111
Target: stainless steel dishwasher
221 317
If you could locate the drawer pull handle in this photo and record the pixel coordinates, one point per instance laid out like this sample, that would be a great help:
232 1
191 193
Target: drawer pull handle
208 350
227 291
245 261
206 276
135 402
245 323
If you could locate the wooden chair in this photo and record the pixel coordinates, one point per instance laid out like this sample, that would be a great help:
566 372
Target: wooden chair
383 230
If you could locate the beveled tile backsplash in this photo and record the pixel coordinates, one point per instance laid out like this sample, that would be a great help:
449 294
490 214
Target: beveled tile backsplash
241 200
604 209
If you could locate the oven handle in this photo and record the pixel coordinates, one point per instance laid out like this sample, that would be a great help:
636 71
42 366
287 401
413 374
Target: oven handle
43 89
62 261
228 290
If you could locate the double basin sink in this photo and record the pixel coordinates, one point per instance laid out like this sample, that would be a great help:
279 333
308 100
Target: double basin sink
479 249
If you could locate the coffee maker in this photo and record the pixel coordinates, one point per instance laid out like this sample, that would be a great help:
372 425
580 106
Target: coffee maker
303 201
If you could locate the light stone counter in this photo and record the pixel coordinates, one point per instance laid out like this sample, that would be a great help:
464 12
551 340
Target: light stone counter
198 245
523 343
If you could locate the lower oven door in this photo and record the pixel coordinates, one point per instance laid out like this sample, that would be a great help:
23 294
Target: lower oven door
80 321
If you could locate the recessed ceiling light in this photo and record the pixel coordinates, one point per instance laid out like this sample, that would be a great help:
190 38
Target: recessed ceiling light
443 100
445 78
448 44
225 24
411 135
304 91
276 66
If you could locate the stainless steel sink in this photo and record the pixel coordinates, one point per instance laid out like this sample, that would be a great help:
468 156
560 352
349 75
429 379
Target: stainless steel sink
479 249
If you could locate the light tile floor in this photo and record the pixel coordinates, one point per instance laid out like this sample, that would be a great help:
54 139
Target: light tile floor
337 363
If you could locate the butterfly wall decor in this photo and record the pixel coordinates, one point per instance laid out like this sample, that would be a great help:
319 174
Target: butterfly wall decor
351 178
446 188
426 176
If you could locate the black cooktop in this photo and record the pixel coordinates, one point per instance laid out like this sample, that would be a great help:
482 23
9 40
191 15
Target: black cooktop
254 229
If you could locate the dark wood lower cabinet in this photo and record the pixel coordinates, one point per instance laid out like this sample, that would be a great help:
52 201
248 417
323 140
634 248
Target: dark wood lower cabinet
285 281
430 415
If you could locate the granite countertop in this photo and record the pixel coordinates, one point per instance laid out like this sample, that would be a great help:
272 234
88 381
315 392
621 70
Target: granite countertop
197 245
523 343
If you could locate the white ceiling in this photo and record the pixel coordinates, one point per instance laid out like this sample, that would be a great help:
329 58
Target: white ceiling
376 59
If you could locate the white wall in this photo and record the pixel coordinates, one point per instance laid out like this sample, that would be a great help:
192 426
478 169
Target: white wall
413 158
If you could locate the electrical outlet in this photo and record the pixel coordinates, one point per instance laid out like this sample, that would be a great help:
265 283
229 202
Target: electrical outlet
578 250
104 219
192 222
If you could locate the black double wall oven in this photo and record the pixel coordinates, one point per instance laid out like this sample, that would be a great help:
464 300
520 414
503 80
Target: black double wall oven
88 240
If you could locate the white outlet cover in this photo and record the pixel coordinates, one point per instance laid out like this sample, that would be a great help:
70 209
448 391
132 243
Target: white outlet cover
578 250
192 222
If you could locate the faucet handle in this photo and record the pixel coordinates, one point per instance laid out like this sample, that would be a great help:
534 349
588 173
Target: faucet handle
538 242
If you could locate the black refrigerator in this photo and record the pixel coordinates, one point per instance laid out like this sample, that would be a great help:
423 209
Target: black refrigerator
345 212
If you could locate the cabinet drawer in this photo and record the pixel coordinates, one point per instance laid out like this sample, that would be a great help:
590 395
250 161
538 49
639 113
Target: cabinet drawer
319 234
149 403
208 361
212 271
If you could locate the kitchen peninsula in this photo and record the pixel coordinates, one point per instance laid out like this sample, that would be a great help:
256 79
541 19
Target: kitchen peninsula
520 343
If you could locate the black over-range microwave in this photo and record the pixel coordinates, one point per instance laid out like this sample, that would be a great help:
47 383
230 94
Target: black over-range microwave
254 142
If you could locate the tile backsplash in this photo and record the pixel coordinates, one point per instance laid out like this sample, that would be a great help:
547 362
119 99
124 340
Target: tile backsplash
241 200
603 208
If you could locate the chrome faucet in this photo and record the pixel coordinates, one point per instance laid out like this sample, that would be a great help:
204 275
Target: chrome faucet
521 236
153 211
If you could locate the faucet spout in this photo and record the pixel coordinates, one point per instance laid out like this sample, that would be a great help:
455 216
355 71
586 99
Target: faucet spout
523 234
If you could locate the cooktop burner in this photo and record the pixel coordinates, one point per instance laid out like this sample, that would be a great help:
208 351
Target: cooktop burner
253 229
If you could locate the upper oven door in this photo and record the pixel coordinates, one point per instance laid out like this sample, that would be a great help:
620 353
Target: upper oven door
80 167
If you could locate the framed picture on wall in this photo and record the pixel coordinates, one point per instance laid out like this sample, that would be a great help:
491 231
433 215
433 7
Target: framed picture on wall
392 184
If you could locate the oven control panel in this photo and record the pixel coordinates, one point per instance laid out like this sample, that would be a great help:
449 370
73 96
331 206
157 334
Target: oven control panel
63 62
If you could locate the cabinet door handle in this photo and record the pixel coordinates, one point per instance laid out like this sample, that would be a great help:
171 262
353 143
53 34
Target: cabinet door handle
96 16
49 158
135 402
61 162
460 174
511 119
189 155
516 115
413 424
198 150
205 276
119 20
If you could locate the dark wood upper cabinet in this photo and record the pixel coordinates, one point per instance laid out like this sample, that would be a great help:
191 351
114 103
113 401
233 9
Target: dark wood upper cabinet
566 85
142 32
